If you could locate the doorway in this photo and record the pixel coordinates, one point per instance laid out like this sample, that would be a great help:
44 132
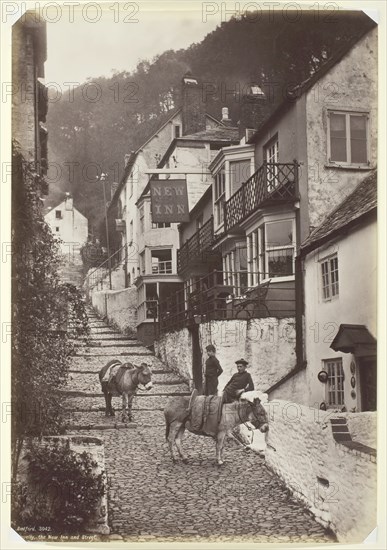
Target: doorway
368 375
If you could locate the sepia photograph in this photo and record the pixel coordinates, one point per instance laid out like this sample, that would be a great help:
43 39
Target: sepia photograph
193 300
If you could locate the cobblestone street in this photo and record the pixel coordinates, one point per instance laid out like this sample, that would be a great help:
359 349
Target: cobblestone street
149 497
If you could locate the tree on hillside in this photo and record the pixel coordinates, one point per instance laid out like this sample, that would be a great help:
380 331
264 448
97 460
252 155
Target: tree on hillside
94 135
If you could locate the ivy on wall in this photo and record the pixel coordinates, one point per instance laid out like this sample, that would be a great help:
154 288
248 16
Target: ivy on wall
42 311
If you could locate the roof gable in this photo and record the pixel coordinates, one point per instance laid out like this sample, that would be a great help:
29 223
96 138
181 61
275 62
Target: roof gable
362 201
300 89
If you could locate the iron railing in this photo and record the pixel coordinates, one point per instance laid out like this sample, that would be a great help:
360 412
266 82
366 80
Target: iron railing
197 247
209 298
272 182
100 273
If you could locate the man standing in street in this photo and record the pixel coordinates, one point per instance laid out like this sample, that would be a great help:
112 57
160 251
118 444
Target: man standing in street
212 372
240 382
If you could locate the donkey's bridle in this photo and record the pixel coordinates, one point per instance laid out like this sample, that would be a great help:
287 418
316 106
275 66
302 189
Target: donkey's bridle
138 382
251 405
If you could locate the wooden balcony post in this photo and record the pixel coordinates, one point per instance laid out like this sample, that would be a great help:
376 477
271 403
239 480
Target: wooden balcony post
296 181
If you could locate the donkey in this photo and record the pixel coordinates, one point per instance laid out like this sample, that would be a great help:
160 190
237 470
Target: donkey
123 379
247 409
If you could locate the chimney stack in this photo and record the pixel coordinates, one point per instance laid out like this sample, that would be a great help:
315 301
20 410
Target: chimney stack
68 202
252 110
193 106
225 118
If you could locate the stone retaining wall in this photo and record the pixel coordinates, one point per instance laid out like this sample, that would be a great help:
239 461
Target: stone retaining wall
175 351
267 344
119 306
336 483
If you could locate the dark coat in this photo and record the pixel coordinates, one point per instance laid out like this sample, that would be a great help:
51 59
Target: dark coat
212 371
238 381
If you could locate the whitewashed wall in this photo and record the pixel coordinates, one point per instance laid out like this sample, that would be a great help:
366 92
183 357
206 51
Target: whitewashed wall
267 344
119 306
301 449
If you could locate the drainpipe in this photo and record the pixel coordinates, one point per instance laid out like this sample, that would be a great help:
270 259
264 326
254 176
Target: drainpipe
299 283
299 314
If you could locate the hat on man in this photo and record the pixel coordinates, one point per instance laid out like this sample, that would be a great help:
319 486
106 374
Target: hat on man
210 347
242 362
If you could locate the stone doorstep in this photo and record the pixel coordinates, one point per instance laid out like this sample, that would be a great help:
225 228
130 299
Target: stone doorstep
342 435
356 446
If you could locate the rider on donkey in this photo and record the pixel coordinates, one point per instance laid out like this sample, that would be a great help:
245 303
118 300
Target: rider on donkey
240 382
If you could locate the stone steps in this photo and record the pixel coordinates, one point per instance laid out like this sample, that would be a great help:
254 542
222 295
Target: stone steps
111 352
91 385
128 343
79 380
93 403
95 362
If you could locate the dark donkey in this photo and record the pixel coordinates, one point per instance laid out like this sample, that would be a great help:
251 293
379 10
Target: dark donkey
125 381
247 409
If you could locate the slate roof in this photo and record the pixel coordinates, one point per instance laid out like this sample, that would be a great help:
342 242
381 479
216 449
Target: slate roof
300 89
362 201
223 133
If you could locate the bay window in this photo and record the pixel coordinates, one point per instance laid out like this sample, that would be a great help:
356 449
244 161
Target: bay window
219 197
235 269
270 251
240 171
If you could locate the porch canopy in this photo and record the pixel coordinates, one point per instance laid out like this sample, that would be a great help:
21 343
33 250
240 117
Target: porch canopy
354 339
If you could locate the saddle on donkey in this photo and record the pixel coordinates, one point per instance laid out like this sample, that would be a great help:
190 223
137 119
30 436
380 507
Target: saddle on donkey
205 414
114 372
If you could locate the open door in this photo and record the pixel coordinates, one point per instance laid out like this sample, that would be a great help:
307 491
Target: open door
368 374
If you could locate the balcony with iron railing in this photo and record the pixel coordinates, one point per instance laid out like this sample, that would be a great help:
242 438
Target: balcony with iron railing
197 248
272 183
210 299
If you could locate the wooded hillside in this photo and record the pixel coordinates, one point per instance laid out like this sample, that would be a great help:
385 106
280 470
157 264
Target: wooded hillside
92 127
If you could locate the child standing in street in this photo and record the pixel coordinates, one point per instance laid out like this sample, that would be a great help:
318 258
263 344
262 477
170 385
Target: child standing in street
212 372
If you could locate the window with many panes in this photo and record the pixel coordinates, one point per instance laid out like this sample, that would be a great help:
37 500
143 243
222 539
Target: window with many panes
335 382
330 277
279 249
219 197
272 159
348 138
270 251
235 270
160 225
142 218
161 261
240 171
